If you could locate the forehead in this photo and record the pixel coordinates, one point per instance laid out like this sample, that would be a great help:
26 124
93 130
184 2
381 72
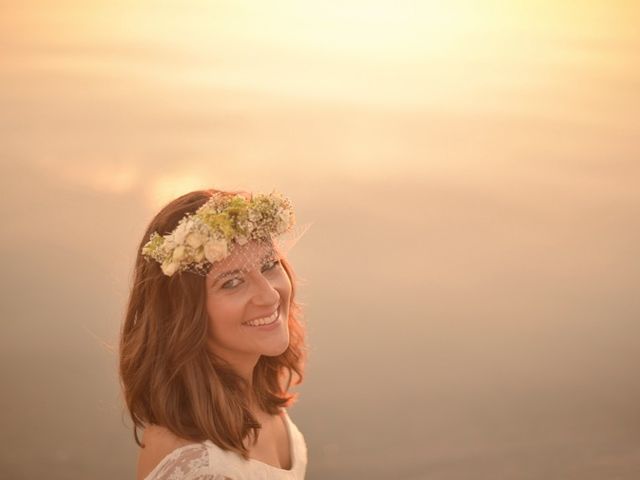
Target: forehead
243 257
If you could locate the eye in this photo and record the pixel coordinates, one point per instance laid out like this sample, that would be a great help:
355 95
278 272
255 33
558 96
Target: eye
228 284
271 265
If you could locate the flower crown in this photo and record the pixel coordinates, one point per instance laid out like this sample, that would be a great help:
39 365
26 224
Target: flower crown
211 233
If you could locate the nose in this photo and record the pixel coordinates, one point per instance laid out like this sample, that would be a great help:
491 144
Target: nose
264 292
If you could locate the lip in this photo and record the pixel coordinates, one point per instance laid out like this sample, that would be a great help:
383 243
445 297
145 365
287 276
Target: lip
270 326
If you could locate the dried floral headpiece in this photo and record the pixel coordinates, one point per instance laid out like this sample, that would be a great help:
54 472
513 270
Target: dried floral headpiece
211 233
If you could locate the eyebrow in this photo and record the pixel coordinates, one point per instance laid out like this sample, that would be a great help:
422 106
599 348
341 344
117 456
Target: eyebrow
268 255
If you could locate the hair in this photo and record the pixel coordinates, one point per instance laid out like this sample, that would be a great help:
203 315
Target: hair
168 375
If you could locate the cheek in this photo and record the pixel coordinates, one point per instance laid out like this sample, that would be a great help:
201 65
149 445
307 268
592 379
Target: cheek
224 312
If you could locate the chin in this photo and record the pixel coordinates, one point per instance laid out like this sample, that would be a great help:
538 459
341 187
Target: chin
277 349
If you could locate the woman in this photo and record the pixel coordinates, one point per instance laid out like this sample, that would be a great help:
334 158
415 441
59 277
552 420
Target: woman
211 340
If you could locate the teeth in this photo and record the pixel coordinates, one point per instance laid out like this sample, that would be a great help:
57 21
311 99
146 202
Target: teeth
263 321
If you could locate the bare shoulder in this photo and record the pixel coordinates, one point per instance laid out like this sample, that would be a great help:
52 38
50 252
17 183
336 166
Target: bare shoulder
158 442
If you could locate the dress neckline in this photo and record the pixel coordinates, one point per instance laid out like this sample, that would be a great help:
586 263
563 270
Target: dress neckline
291 444
292 454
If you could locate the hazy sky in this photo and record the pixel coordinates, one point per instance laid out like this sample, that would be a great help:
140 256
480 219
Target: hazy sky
97 92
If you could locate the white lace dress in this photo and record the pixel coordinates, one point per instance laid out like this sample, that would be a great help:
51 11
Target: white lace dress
207 461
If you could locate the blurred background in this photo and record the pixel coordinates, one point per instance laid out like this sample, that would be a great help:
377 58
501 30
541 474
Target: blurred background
472 172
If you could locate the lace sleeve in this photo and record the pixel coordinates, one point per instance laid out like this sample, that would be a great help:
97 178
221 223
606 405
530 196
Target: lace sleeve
186 463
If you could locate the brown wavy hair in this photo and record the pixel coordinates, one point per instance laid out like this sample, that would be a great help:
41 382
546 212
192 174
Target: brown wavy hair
168 375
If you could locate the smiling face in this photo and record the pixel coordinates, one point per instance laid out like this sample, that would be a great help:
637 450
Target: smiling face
248 285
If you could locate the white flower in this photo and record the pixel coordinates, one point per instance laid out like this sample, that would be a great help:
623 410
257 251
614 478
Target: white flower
215 250
169 268
169 244
198 256
195 239
178 253
181 231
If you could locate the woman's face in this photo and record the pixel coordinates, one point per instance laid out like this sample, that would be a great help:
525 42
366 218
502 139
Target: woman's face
249 284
